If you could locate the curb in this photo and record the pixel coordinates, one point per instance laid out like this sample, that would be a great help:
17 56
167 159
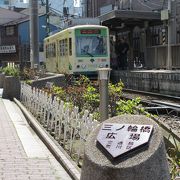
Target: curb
58 152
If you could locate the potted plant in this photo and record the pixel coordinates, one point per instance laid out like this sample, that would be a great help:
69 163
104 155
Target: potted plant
1 77
11 85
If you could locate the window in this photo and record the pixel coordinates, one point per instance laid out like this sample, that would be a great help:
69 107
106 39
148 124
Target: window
6 2
91 46
63 47
47 51
50 50
70 46
10 30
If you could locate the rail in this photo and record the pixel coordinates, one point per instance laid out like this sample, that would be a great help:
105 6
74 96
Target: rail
159 106
152 94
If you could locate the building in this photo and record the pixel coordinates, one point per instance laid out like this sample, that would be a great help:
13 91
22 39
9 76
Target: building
9 35
13 3
144 24
15 35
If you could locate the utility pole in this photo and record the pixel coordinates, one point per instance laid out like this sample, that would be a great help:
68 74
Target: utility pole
34 34
120 4
47 18
171 31
169 55
130 4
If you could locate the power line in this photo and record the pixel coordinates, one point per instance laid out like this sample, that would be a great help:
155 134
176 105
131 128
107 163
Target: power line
143 4
152 3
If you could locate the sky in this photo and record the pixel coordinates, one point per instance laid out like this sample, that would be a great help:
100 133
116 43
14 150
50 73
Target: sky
56 4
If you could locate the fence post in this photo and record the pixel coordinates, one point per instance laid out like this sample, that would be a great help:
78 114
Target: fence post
143 163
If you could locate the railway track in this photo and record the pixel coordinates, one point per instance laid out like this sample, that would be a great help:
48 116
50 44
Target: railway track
167 109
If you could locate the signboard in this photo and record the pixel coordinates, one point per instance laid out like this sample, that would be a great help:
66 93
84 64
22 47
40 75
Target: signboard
118 139
8 49
90 31
164 14
82 21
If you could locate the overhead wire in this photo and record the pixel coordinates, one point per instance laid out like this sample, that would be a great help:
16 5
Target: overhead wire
153 3
164 2
143 4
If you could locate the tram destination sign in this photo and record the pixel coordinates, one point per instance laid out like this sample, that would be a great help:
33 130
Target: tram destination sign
90 31
118 139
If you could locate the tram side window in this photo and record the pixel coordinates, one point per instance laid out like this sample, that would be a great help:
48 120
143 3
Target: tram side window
50 50
70 46
63 47
53 50
46 51
60 47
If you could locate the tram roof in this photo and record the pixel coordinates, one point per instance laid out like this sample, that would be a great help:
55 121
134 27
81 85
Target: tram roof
75 27
131 18
86 25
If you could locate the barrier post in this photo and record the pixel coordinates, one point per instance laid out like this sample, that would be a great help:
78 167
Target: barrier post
104 74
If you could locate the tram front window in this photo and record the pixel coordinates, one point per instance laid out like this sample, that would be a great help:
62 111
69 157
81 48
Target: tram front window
91 46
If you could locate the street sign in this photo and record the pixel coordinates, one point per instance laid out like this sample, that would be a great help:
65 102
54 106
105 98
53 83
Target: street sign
118 139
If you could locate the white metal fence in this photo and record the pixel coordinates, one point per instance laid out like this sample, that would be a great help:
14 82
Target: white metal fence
65 123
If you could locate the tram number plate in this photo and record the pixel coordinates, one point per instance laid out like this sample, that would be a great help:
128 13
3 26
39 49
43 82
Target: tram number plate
92 66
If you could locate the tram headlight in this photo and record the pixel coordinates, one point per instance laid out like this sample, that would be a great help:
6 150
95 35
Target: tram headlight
83 66
101 66
107 65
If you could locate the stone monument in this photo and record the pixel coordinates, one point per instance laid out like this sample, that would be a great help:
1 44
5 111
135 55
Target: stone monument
133 150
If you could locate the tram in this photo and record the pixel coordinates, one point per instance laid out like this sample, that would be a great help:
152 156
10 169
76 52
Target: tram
80 49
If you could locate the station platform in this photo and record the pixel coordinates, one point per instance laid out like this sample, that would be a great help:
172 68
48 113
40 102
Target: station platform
23 155
157 81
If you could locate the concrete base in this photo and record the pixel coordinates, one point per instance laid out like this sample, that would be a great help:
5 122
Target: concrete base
11 88
145 163
56 79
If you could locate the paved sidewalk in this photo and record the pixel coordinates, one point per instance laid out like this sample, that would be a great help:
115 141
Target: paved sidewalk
23 156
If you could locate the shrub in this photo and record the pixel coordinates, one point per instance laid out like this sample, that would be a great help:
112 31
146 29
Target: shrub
128 107
11 71
174 159
115 93
28 74
91 98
